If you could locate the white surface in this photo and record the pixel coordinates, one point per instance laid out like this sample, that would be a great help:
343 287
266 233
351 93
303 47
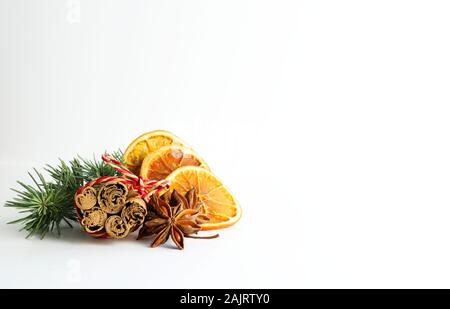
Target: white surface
329 121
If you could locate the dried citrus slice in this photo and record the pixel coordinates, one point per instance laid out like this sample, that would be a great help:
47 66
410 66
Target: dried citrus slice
218 203
160 163
145 144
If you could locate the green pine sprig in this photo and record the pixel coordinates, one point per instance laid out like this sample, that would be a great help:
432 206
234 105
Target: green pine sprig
48 204
91 169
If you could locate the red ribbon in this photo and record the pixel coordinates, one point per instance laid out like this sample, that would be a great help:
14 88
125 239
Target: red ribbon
145 187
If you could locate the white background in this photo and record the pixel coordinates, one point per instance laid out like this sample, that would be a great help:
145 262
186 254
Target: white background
328 120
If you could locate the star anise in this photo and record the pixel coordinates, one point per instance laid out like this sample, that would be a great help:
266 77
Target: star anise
173 216
190 201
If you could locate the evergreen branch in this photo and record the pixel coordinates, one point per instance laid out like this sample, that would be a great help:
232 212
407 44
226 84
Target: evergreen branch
48 204
91 169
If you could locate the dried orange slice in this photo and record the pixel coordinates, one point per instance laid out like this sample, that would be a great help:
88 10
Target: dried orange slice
145 144
160 163
218 203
